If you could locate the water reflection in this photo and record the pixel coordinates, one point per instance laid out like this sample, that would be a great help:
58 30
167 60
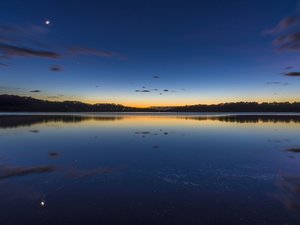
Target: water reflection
8 172
290 191
294 150
7 121
150 169
249 118
14 121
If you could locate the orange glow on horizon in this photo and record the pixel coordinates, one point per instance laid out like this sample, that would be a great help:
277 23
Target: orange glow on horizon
165 103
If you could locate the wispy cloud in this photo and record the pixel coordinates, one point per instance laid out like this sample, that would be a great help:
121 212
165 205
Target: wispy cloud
55 96
284 24
277 83
11 51
35 91
287 34
95 52
3 64
144 90
292 74
23 41
10 88
27 41
56 68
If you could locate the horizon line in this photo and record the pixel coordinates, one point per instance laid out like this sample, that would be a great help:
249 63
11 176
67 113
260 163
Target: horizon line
161 106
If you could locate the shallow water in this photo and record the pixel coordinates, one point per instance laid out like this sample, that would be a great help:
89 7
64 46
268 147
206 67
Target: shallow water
149 169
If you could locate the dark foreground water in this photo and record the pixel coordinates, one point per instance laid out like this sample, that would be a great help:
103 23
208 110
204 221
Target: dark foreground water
119 169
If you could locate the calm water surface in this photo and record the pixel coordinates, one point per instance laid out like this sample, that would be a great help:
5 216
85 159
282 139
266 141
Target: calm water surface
132 169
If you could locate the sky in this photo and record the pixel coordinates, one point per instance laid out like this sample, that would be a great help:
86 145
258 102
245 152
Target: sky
152 52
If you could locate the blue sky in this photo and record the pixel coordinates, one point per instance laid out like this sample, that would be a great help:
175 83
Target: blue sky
146 53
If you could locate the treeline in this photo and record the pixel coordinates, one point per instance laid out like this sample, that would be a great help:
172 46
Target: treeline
241 107
13 103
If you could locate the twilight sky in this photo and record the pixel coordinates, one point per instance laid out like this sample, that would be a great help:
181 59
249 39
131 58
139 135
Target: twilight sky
151 53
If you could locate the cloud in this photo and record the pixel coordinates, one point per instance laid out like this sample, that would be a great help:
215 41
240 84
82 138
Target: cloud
56 68
166 90
288 42
25 41
12 88
145 90
156 77
289 67
287 34
95 52
55 96
23 30
277 83
292 74
3 64
9 172
284 24
35 91
16 51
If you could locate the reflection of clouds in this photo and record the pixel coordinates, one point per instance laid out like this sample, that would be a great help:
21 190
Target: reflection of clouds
279 141
290 192
34 131
146 133
54 154
178 178
293 150
9 172
85 173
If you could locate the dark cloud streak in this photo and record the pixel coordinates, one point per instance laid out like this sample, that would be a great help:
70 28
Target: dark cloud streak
35 91
9 172
292 74
16 51
56 69
142 91
95 52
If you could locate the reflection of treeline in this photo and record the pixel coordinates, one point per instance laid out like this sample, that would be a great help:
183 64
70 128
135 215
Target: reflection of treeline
11 121
28 120
12 103
248 118
241 107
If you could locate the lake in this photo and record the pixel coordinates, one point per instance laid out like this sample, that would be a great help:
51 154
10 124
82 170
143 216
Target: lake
142 168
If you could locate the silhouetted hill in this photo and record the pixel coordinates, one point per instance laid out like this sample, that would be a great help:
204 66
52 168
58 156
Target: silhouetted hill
241 107
13 103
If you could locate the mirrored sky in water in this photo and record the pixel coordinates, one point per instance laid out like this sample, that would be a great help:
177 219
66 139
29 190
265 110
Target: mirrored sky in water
150 169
